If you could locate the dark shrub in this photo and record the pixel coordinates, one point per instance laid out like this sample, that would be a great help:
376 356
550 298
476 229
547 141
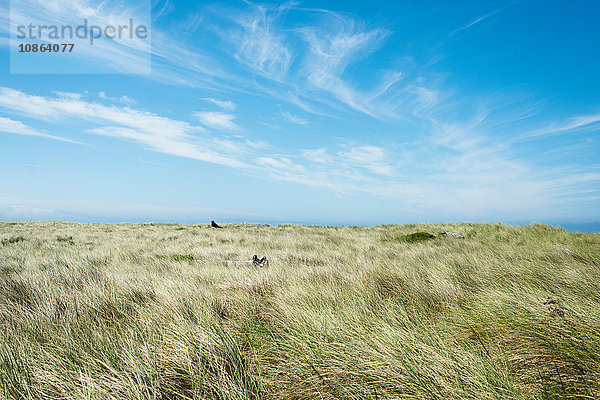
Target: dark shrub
415 237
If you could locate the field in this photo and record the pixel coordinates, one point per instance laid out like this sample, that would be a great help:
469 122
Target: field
161 311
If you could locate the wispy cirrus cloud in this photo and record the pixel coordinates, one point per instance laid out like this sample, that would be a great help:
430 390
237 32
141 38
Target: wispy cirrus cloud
53 109
217 120
357 158
460 171
306 64
8 125
281 164
227 105
482 18
157 132
123 99
370 157
330 49
183 139
317 155
261 45
303 64
311 64
573 124
294 118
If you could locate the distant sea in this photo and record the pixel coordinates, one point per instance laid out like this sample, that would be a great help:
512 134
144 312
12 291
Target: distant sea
583 227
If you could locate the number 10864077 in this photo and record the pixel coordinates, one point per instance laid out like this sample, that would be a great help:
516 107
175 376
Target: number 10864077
46 48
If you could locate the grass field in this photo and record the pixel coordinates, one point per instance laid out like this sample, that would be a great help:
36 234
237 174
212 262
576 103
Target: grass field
159 311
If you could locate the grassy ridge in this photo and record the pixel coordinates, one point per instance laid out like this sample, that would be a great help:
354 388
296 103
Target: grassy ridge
144 311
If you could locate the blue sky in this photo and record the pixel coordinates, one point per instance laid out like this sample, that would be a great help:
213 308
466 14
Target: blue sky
324 112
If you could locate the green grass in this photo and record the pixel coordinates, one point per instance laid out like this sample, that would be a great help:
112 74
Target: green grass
151 311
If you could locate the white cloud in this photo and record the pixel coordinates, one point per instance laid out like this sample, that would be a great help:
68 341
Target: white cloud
165 8
369 157
318 155
59 108
458 172
474 22
282 163
425 99
159 133
306 65
68 95
181 148
284 169
123 99
224 104
294 118
577 123
127 100
260 46
217 120
303 65
482 18
331 48
8 125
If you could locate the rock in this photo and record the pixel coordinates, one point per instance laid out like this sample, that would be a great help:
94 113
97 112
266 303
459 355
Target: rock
563 250
451 234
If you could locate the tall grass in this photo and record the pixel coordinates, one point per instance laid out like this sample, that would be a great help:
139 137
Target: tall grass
158 311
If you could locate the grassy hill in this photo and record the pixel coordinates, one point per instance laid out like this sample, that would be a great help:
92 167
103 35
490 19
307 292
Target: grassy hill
157 311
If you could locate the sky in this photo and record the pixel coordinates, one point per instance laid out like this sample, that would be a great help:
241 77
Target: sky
314 112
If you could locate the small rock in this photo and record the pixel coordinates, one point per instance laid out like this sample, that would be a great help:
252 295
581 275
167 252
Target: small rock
451 234
563 250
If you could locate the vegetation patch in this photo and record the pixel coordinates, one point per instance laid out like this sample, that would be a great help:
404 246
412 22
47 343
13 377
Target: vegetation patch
65 239
183 257
11 240
415 237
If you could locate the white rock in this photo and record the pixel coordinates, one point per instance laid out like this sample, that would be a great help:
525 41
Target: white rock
454 235
563 250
